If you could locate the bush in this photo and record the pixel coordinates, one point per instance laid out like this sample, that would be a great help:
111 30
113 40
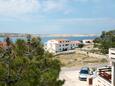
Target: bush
80 45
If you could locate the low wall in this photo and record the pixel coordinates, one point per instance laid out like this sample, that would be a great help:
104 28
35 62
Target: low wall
65 52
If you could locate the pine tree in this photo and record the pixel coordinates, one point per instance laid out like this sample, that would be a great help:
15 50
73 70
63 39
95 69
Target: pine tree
27 64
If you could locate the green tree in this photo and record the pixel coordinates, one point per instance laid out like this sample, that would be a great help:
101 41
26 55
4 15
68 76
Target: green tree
81 45
20 47
29 65
105 41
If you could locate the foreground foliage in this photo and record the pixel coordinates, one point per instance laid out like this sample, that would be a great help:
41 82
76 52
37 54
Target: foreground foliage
25 63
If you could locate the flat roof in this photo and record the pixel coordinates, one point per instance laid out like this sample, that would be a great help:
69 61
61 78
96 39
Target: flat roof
112 48
59 40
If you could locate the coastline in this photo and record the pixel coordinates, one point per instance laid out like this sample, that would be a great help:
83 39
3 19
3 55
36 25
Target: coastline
45 39
46 35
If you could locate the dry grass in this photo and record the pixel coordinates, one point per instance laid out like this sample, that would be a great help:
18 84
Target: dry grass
79 60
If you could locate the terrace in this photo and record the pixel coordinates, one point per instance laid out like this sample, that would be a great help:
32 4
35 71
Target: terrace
105 73
103 77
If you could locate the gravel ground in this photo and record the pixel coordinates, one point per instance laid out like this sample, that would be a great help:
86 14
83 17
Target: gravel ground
71 77
81 58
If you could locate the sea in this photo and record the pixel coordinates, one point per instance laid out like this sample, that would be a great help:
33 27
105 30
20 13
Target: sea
45 39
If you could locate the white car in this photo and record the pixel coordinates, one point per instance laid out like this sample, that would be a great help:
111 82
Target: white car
83 74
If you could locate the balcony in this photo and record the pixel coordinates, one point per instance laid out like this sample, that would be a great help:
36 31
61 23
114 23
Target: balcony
105 73
103 77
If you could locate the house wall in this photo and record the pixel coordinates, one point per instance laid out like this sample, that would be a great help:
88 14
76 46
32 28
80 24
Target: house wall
86 42
58 45
112 60
2 44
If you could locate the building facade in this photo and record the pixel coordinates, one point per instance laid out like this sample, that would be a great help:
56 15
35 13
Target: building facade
60 45
74 44
2 44
87 41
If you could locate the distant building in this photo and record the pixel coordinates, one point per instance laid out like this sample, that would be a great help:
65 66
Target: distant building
87 41
60 45
74 44
2 44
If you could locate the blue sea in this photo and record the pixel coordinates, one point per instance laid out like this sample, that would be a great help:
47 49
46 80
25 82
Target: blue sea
45 39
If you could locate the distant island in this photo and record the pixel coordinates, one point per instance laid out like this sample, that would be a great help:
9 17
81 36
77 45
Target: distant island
45 35
68 35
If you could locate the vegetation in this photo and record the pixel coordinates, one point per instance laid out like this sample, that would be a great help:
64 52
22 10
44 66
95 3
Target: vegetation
25 63
105 41
1 35
80 45
103 60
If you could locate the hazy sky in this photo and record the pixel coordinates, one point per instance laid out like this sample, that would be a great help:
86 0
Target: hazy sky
57 16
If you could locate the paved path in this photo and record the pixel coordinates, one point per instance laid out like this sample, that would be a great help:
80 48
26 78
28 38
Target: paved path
71 77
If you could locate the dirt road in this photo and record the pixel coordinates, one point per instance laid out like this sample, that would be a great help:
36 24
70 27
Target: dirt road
71 77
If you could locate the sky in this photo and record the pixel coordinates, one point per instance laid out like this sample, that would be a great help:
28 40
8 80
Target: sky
57 16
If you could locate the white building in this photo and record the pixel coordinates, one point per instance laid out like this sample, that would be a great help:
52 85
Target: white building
74 44
60 45
106 76
87 41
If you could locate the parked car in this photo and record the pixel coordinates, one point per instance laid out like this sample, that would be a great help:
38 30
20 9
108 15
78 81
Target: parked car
83 74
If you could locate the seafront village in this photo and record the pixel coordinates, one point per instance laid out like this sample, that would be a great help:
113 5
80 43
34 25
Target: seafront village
74 55
69 53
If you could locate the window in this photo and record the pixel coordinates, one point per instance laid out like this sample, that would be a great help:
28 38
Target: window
84 71
113 53
66 44
88 42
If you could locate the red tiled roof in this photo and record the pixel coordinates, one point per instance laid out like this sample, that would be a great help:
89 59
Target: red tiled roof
75 42
2 44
